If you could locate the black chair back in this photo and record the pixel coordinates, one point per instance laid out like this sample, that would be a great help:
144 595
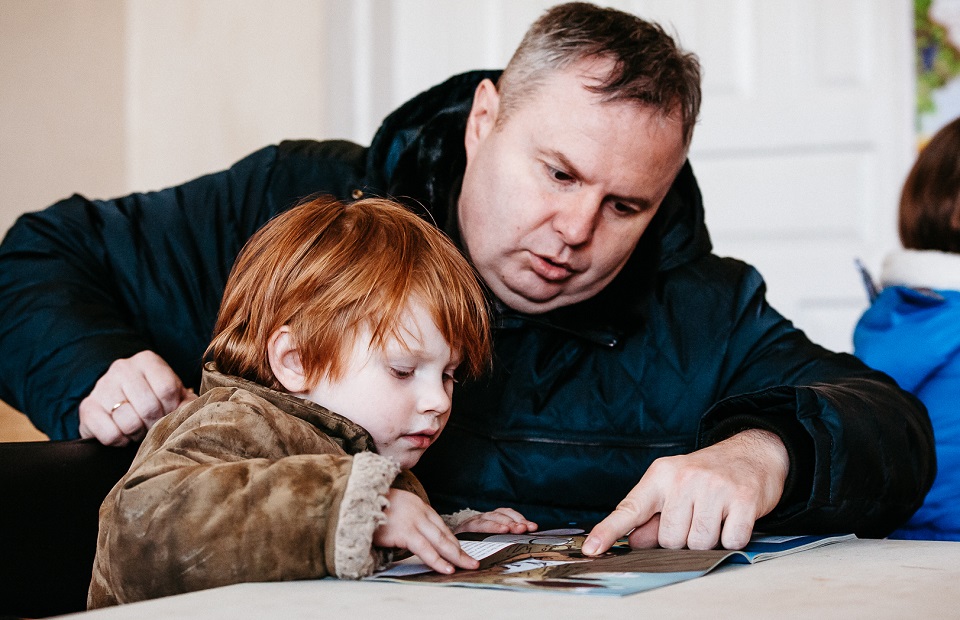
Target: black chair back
50 496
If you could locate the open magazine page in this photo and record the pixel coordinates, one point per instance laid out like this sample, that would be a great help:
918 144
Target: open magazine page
552 560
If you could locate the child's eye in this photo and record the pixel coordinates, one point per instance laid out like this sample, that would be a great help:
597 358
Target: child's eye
450 376
401 373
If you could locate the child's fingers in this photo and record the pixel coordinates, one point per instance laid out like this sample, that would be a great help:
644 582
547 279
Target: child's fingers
509 513
514 517
499 521
462 559
482 525
485 526
496 517
521 527
428 555
444 543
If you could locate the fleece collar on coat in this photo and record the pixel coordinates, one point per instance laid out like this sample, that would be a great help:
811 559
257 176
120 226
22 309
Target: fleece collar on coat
922 269
418 156
352 437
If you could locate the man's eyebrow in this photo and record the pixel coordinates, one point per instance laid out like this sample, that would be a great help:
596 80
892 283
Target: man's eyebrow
567 165
640 203
569 168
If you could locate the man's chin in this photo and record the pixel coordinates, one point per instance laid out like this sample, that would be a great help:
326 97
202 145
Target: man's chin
533 302
534 295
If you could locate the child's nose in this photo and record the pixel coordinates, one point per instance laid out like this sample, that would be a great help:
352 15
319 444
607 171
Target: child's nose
436 399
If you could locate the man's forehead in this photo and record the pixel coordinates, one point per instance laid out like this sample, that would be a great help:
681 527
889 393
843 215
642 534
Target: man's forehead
639 163
581 81
587 74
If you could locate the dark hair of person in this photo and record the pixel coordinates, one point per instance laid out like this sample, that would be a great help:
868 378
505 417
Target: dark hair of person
930 200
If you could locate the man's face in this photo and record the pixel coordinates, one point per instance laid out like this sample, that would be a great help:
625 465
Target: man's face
555 197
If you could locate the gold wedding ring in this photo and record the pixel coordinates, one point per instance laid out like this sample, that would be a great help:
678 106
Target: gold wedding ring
118 405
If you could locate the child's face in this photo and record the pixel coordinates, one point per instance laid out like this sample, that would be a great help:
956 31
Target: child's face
401 395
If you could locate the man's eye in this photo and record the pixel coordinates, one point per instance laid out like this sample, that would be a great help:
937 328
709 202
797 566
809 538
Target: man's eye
559 175
401 373
623 208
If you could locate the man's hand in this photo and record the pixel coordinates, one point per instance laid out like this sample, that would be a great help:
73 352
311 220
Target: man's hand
499 521
695 500
129 399
413 525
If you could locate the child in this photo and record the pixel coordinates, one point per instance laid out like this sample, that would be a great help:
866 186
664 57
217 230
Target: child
912 329
330 372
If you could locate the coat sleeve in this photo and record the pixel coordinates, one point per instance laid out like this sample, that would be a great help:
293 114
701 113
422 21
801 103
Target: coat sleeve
207 509
861 449
86 282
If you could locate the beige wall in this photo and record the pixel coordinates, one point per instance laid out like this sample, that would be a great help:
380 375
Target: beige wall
62 92
104 97
212 81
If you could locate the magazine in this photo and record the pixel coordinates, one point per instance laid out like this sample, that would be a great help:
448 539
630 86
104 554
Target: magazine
552 560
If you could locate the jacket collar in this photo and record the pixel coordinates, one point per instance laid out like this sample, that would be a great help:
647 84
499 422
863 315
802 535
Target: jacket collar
352 437
418 157
922 269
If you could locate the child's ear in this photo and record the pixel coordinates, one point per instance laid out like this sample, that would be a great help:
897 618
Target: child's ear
285 361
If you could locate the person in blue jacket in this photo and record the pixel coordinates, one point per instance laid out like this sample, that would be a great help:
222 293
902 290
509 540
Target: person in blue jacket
640 382
912 329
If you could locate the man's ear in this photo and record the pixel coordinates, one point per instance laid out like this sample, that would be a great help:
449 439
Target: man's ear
483 115
285 361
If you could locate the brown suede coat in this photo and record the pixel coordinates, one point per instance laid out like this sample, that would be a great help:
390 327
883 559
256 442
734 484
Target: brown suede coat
243 484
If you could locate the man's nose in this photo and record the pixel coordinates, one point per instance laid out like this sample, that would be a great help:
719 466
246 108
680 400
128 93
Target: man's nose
576 218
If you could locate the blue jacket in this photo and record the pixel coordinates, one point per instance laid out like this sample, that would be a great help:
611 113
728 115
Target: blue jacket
913 335
679 351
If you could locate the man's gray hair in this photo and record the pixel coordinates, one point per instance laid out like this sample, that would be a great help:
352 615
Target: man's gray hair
648 66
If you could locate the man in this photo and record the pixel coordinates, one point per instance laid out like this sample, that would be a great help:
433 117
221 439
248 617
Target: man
624 350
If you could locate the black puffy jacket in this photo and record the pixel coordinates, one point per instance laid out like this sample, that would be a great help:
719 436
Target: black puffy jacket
679 351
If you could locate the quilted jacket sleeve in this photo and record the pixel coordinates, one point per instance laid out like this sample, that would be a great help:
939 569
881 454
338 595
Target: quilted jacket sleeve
225 498
861 448
85 282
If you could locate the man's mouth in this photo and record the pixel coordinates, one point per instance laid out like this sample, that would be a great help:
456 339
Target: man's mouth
550 269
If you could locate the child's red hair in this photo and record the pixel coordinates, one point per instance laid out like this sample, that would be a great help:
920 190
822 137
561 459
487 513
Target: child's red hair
328 269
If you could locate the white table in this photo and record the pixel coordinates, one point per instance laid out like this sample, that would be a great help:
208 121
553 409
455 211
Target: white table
853 579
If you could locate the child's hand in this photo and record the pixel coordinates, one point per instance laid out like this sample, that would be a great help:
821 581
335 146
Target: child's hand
499 521
413 525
